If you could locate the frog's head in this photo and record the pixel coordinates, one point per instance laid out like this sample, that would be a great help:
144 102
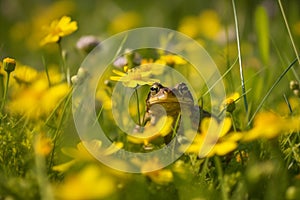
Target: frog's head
160 94
170 99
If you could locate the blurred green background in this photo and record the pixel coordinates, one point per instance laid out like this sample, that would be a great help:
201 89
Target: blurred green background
21 21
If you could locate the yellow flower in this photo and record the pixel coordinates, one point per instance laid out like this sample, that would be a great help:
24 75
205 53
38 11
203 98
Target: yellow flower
105 99
37 99
171 60
189 26
58 29
23 75
209 24
30 93
134 77
43 145
229 103
206 24
89 183
214 139
162 176
266 125
149 169
283 108
152 68
124 21
147 61
294 124
82 154
150 133
29 31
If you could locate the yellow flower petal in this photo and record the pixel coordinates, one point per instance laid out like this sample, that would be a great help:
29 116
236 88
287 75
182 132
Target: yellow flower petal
224 148
86 184
114 147
58 29
64 167
119 72
162 177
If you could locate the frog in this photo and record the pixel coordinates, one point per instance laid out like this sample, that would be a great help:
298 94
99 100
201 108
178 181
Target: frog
176 102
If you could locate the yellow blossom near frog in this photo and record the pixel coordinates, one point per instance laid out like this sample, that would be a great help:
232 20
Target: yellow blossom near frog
171 60
162 176
150 133
81 153
215 139
134 77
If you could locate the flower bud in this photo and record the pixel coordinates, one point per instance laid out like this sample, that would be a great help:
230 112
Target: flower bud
108 83
292 192
9 64
120 62
87 43
296 93
294 85
82 73
74 80
125 68
229 105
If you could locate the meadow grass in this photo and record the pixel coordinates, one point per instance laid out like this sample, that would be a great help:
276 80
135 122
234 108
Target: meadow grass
255 155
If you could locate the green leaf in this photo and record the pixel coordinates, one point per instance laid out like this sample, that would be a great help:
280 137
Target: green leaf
262 33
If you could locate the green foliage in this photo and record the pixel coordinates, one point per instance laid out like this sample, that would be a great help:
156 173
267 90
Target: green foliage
262 33
257 153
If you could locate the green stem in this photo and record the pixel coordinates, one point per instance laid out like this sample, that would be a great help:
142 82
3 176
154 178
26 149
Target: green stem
220 177
138 106
98 116
220 79
205 167
47 71
240 56
5 92
233 122
271 89
58 128
288 104
52 114
43 183
64 68
288 29
2 86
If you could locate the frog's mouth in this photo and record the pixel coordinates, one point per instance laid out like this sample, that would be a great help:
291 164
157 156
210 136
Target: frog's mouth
163 99
173 100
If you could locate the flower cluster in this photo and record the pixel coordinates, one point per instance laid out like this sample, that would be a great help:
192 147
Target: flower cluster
206 24
33 94
243 144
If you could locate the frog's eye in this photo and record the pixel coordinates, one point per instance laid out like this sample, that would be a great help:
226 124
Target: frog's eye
154 89
183 89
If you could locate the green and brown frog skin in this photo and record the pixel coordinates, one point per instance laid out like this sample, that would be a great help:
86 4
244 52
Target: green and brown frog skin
171 102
